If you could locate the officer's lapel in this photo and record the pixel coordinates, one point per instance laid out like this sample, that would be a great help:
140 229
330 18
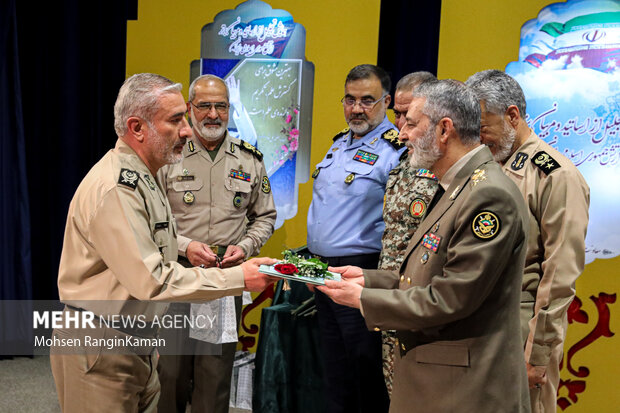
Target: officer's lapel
448 198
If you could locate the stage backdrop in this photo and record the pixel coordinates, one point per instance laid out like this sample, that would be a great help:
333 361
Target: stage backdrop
166 38
590 366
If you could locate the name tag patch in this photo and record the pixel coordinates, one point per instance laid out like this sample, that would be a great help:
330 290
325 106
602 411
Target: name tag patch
243 176
366 157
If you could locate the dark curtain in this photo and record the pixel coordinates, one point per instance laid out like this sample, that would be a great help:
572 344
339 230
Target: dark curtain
15 269
71 59
408 37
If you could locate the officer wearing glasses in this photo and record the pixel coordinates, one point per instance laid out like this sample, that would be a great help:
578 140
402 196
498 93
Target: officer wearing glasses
345 226
221 198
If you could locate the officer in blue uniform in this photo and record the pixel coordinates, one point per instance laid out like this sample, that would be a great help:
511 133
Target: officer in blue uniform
345 225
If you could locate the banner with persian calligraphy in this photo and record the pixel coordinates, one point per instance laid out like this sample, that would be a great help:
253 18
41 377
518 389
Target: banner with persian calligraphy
568 67
260 53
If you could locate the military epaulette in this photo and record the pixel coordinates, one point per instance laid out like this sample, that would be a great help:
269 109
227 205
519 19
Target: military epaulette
247 147
128 178
341 134
545 162
391 135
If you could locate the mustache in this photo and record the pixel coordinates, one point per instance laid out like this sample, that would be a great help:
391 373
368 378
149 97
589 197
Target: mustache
360 116
212 122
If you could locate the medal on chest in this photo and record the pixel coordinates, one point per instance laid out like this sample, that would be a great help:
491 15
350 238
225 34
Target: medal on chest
188 197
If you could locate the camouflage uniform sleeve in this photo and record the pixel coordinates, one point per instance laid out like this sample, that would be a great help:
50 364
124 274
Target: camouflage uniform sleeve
122 233
261 215
565 198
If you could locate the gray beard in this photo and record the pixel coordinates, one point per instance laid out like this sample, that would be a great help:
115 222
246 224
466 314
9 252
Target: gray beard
426 152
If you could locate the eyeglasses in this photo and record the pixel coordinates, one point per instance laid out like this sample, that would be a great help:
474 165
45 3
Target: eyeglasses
220 107
365 104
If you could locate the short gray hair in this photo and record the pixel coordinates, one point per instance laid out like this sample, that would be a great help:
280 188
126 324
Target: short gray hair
192 86
139 96
450 98
408 82
498 91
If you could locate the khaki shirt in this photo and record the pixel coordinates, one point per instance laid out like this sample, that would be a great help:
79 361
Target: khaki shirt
558 199
211 199
120 244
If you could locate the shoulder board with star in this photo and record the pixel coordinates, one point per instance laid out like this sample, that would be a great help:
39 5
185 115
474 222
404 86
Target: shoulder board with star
545 162
391 135
341 134
128 178
250 148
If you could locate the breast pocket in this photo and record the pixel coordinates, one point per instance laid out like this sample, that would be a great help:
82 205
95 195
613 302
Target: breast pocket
185 194
236 195
362 178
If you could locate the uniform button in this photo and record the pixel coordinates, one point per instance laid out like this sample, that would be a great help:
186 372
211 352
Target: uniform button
403 347
408 280
402 278
377 329
396 342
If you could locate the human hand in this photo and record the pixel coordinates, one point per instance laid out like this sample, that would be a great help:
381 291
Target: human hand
536 375
350 273
198 254
234 256
343 292
254 280
234 90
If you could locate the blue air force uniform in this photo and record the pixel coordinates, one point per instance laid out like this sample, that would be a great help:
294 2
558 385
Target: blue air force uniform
345 225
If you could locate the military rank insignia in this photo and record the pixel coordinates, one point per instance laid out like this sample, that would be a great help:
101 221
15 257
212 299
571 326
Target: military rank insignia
479 175
237 200
316 172
242 176
545 162
424 258
191 147
349 178
265 185
188 197
150 183
519 161
431 241
128 178
391 136
417 208
232 147
485 225
366 157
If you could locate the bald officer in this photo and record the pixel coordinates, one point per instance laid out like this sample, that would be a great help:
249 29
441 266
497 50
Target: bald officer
221 198
345 225
558 199
120 246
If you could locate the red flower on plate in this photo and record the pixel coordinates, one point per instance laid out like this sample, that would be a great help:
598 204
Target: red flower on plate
287 269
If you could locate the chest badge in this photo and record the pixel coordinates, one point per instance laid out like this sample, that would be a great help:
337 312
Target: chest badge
424 258
485 225
242 176
436 227
237 200
431 241
417 208
349 178
316 172
366 157
188 197
519 161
